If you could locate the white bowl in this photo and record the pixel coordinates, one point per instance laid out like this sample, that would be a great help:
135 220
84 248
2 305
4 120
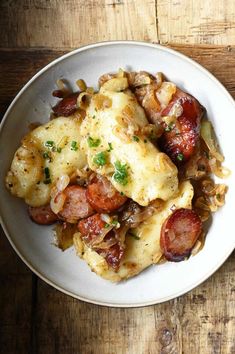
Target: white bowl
33 243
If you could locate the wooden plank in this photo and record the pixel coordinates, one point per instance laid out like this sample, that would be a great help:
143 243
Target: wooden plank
199 322
196 22
18 66
15 301
71 23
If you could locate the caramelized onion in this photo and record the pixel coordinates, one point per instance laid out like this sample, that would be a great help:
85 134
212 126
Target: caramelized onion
64 235
219 170
208 136
134 214
96 241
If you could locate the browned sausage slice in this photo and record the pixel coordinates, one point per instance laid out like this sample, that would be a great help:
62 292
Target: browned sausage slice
93 228
76 205
66 106
113 255
179 141
179 234
103 197
42 215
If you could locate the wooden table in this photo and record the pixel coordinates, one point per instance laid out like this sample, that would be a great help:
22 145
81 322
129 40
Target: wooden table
34 317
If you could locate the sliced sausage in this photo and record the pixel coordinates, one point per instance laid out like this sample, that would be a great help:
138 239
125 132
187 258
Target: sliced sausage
91 227
179 141
66 106
103 197
42 215
179 234
113 255
94 228
76 205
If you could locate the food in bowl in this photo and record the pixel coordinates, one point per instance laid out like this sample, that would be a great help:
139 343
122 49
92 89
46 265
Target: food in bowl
125 173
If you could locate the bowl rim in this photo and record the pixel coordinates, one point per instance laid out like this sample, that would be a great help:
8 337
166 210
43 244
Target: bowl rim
37 75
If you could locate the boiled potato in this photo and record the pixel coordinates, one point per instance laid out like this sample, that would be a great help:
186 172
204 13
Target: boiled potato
130 161
46 153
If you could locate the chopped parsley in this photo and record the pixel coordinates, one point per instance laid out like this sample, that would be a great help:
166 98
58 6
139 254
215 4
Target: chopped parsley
93 142
115 222
133 235
218 196
50 143
74 146
93 117
47 175
46 155
136 138
59 149
122 193
106 226
110 147
180 157
121 174
100 159
169 127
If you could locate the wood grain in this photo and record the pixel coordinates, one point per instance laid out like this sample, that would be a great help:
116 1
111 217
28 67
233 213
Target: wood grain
199 322
15 301
71 23
35 318
18 66
196 22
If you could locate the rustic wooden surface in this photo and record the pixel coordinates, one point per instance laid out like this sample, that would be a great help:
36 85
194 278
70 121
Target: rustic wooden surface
34 317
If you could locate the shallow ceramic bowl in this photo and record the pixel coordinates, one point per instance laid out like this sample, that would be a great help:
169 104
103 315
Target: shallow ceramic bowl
33 243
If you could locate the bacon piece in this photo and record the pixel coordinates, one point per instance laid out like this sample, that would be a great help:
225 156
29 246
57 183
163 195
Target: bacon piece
179 234
76 205
92 228
181 139
66 106
42 215
103 197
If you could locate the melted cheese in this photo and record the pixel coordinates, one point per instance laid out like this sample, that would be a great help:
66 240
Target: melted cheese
139 253
27 173
151 174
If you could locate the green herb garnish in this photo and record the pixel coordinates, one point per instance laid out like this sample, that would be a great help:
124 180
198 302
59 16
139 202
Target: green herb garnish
115 222
133 235
59 149
100 159
93 142
47 172
121 174
136 138
46 155
47 176
180 157
169 127
106 226
93 117
74 146
110 147
49 143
